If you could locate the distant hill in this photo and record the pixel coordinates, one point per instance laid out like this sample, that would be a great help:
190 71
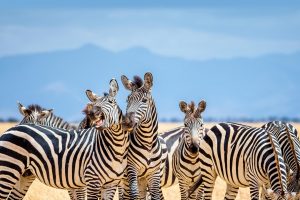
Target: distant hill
240 87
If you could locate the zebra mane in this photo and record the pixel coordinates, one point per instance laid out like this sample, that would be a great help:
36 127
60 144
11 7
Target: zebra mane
138 81
192 107
33 107
105 94
293 148
276 159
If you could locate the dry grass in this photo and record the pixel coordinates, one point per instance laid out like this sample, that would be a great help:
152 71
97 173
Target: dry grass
42 192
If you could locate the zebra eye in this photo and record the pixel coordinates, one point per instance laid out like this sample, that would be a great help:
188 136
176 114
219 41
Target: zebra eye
144 100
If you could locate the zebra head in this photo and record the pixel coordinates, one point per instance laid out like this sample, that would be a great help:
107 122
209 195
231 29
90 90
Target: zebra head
139 103
103 111
193 123
34 114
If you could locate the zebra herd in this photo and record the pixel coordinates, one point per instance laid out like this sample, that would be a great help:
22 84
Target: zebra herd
110 150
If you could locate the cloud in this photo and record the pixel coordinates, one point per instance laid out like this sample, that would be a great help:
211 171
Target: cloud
197 34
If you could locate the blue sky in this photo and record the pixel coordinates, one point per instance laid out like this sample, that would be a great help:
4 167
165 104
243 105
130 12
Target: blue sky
194 30
212 39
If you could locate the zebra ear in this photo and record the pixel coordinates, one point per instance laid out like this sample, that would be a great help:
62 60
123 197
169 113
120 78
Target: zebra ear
114 87
200 109
183 106
46 113
127 83
148 81
23 110
91 96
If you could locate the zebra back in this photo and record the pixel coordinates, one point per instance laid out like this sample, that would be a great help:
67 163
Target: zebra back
242 156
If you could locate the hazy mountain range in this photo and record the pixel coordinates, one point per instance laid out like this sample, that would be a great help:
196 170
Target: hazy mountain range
239 87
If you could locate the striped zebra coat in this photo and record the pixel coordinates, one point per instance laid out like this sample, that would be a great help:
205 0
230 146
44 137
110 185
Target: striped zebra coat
145 152
186 160
68 159
170 139
35 114
242 156
287 137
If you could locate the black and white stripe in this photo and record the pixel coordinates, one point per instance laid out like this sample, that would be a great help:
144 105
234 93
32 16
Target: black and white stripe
35 114
286 135
170 139
65 159
145 152
242 156
186 160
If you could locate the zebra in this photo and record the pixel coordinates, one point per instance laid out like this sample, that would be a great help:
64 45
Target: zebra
242 156
145 152
35 114
186 160
170 140
286 135
65 159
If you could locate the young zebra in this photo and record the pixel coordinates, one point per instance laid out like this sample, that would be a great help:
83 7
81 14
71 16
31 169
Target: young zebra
186 161
145 152
242 156
68 159
35 114
286 135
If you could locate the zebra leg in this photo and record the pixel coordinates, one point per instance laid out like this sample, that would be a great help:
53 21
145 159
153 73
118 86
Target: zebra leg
200 192
133 183
184 191
108 193
124 189
121 190
77 194
231 192
20 189
93 190
263 195
254 190
154 186
143 188
207 186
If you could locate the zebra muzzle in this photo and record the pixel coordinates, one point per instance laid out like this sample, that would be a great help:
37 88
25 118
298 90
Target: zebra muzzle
194 148
129 121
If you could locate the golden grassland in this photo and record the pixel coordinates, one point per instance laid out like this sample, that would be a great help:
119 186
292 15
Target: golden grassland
39 191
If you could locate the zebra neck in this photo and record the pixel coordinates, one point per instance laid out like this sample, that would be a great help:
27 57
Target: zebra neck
146 135
147 131
186 148
114 139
